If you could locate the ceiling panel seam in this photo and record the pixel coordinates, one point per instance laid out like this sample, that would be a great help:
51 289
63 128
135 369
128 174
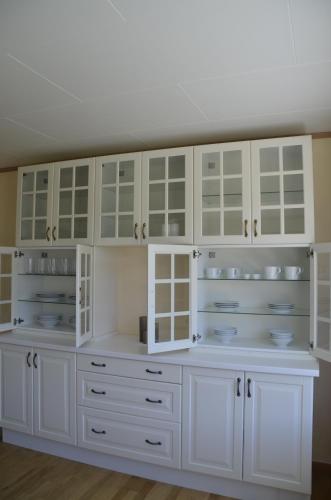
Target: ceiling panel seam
118 12
19 124
187 95
43 77
290 20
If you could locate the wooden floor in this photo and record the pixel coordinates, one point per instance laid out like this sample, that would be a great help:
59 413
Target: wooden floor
29 475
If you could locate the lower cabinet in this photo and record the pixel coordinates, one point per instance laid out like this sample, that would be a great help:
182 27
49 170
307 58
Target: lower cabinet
213 404
38 392
253 426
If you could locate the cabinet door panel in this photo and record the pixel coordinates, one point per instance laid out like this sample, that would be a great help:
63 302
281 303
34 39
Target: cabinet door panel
16 388
282 190
222 204
278 422
34 205
213 416
117 199
167 200
54 396
73 206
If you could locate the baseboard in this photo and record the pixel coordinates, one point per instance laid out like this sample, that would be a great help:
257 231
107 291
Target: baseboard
202 482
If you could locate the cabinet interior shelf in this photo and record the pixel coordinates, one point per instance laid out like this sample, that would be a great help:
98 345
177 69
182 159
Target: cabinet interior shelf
262 192
63 302
256 311
252 279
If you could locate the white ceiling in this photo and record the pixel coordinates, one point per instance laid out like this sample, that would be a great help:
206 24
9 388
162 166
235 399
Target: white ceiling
89 77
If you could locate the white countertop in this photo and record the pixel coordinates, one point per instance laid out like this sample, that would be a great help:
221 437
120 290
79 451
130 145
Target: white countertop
128 347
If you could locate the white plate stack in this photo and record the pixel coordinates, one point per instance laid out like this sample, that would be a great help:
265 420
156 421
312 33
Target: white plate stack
50 296
281 308
225 334
281 337
227 304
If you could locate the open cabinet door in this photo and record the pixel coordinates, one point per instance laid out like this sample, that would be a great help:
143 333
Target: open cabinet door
321 330
7 264
83 294
172 305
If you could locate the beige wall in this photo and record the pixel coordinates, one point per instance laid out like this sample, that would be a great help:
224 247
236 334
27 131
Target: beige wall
137 281
322 396
7 208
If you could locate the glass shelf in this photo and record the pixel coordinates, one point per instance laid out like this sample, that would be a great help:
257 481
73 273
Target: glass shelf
63 302
255 343
252 279
257 311
45 274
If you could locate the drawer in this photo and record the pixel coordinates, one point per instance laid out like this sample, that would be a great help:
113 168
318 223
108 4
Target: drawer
137 438
143 398
146 370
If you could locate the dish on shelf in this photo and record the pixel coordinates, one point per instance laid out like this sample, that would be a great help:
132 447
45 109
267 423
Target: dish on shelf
49 320
72 321
47 296
225 334
281 307
225 304
71 298
281 337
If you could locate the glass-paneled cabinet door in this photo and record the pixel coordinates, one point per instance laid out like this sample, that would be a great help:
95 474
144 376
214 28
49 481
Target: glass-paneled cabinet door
321 317
282 190
34 205
222 193
172 304
6 288
167 196
84 271
117 199
73 202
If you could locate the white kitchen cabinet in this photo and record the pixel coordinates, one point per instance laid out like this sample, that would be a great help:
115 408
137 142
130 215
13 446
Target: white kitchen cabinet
222 193
213 404
34 205
282 190
54 409
278 431
16 388
258 192
57 281
167 196
55 204
38 392
118 200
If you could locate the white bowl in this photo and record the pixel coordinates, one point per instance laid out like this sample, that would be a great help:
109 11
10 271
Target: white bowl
281 342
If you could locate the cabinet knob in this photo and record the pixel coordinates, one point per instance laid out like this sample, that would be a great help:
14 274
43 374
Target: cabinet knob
28 359
98 432
154 443
98 392
245 228
143 230
48 238
101 365
135 231
53 233
255 228
238 386
159 401
34 361
156 372
249 394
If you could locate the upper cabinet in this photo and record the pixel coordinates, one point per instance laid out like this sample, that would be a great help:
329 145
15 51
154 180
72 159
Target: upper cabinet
222 194
167 196
34 205
117 200
55 204
257 192
282 190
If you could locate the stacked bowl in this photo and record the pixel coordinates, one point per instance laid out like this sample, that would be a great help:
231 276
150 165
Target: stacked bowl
225 334
281 337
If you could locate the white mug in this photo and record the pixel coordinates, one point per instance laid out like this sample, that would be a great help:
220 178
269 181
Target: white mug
293 272
232 273
213 273
272 272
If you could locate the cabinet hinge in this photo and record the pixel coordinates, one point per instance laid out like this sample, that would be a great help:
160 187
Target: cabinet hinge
311 345
18 321
196 254
310 253
18 254
196 337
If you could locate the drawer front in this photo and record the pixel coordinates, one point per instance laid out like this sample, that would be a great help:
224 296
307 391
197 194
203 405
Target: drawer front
130 368
137 438
126 395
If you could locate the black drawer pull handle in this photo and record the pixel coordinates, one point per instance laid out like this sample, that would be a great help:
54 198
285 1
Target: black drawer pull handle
98 392
238 386
98 432
157 372
101 365
249 394
159 401
154 443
